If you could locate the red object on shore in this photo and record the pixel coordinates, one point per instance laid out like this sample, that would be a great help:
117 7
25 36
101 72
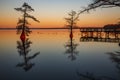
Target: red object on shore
22 36
71 35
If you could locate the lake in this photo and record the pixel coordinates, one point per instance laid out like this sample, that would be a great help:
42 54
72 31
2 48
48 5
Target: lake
53 55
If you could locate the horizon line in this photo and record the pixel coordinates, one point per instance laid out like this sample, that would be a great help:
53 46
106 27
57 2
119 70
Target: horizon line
47 28
36 28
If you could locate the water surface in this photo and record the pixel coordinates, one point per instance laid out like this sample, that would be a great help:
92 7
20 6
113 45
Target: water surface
56 60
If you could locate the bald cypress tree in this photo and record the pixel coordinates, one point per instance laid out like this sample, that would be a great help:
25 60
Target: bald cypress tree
72 20
22 25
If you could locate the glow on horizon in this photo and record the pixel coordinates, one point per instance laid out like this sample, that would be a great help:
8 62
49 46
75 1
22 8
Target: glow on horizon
51 13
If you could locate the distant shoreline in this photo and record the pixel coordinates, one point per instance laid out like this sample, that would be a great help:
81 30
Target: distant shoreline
36 28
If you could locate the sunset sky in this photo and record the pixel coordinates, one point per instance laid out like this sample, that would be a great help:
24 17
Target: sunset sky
51 13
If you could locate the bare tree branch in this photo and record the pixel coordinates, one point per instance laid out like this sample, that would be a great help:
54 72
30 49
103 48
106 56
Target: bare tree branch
19 9
101 3
32 17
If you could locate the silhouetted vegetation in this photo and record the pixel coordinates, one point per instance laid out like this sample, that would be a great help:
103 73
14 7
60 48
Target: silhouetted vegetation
72 20
112 26
22 25
101 3
23 49
23 29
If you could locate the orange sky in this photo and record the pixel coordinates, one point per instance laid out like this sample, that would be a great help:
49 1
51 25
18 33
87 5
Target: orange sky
52 14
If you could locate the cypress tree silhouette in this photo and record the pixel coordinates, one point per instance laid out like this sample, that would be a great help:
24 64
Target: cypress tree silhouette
24 30
71 20
22 25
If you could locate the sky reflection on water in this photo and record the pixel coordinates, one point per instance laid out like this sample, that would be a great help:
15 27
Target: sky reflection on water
52 63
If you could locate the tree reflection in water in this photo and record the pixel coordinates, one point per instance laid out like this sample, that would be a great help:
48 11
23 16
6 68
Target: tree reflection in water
23 45
115 57
91 76
23 49
71 49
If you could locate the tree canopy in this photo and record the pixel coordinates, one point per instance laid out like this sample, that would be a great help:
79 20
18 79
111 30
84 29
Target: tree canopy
72 19
22 24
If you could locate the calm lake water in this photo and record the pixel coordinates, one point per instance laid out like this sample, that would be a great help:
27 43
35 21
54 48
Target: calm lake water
52 55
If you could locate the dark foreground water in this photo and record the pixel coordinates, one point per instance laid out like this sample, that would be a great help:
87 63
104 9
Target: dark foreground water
52 55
